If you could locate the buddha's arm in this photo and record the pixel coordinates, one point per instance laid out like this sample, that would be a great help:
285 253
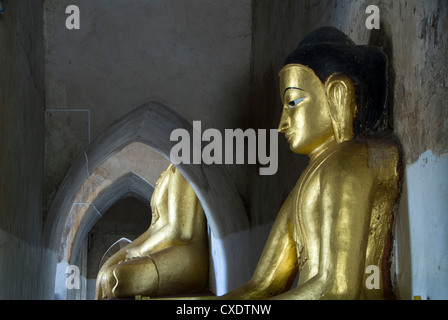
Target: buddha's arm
182 208
345 207
118 257
277 266
179 203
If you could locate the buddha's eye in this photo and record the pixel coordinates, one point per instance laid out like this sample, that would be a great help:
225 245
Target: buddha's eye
294 103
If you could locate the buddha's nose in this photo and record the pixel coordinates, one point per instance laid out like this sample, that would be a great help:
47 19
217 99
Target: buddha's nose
284 123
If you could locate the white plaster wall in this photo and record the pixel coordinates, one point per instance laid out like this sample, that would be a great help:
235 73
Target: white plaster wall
60 290
422 229
243 249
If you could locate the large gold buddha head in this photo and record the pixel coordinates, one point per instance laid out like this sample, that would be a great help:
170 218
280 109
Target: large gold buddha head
332 90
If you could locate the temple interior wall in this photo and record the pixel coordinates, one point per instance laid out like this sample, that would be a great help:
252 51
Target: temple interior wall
21 145
218 63
191 56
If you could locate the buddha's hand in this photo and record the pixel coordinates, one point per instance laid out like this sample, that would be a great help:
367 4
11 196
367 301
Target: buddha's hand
133 253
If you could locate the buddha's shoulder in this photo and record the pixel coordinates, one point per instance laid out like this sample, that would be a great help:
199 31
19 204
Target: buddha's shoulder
366 148
362 154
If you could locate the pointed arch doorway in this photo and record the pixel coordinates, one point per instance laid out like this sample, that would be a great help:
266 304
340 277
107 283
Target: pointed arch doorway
146 130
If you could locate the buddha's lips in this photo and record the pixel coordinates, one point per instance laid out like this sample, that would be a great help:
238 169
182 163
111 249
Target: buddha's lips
289 135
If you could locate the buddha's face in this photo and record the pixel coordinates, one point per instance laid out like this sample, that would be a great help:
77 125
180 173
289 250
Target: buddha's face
305 120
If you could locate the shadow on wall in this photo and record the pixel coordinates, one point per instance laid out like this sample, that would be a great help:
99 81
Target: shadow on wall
380 38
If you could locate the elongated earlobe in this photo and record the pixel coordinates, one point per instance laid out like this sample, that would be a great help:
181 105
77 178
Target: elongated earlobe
340 95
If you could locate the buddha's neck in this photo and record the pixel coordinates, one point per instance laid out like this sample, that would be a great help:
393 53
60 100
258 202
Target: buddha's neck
330 142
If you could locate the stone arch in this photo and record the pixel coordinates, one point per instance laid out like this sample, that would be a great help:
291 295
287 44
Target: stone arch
114 178
151 125
127 185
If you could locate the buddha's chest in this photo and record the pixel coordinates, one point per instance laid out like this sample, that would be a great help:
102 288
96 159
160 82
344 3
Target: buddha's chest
306 217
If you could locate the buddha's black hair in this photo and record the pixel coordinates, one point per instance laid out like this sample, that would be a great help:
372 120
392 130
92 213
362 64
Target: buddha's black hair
328 51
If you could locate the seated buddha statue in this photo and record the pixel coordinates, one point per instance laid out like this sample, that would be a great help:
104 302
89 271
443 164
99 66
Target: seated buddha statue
171 257
337 220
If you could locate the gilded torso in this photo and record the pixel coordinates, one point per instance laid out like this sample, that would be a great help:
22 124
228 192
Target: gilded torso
323 182
306 218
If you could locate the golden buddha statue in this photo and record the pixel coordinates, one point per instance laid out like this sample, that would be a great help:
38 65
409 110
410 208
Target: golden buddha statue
171 257
337 220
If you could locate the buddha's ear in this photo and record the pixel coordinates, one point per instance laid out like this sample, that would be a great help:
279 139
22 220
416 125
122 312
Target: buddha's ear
341 102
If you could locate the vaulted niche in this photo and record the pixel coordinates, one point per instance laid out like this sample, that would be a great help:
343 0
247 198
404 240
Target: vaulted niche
127 159
117 216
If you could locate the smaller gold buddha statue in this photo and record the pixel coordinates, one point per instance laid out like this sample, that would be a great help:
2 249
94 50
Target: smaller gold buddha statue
337 220
171 257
